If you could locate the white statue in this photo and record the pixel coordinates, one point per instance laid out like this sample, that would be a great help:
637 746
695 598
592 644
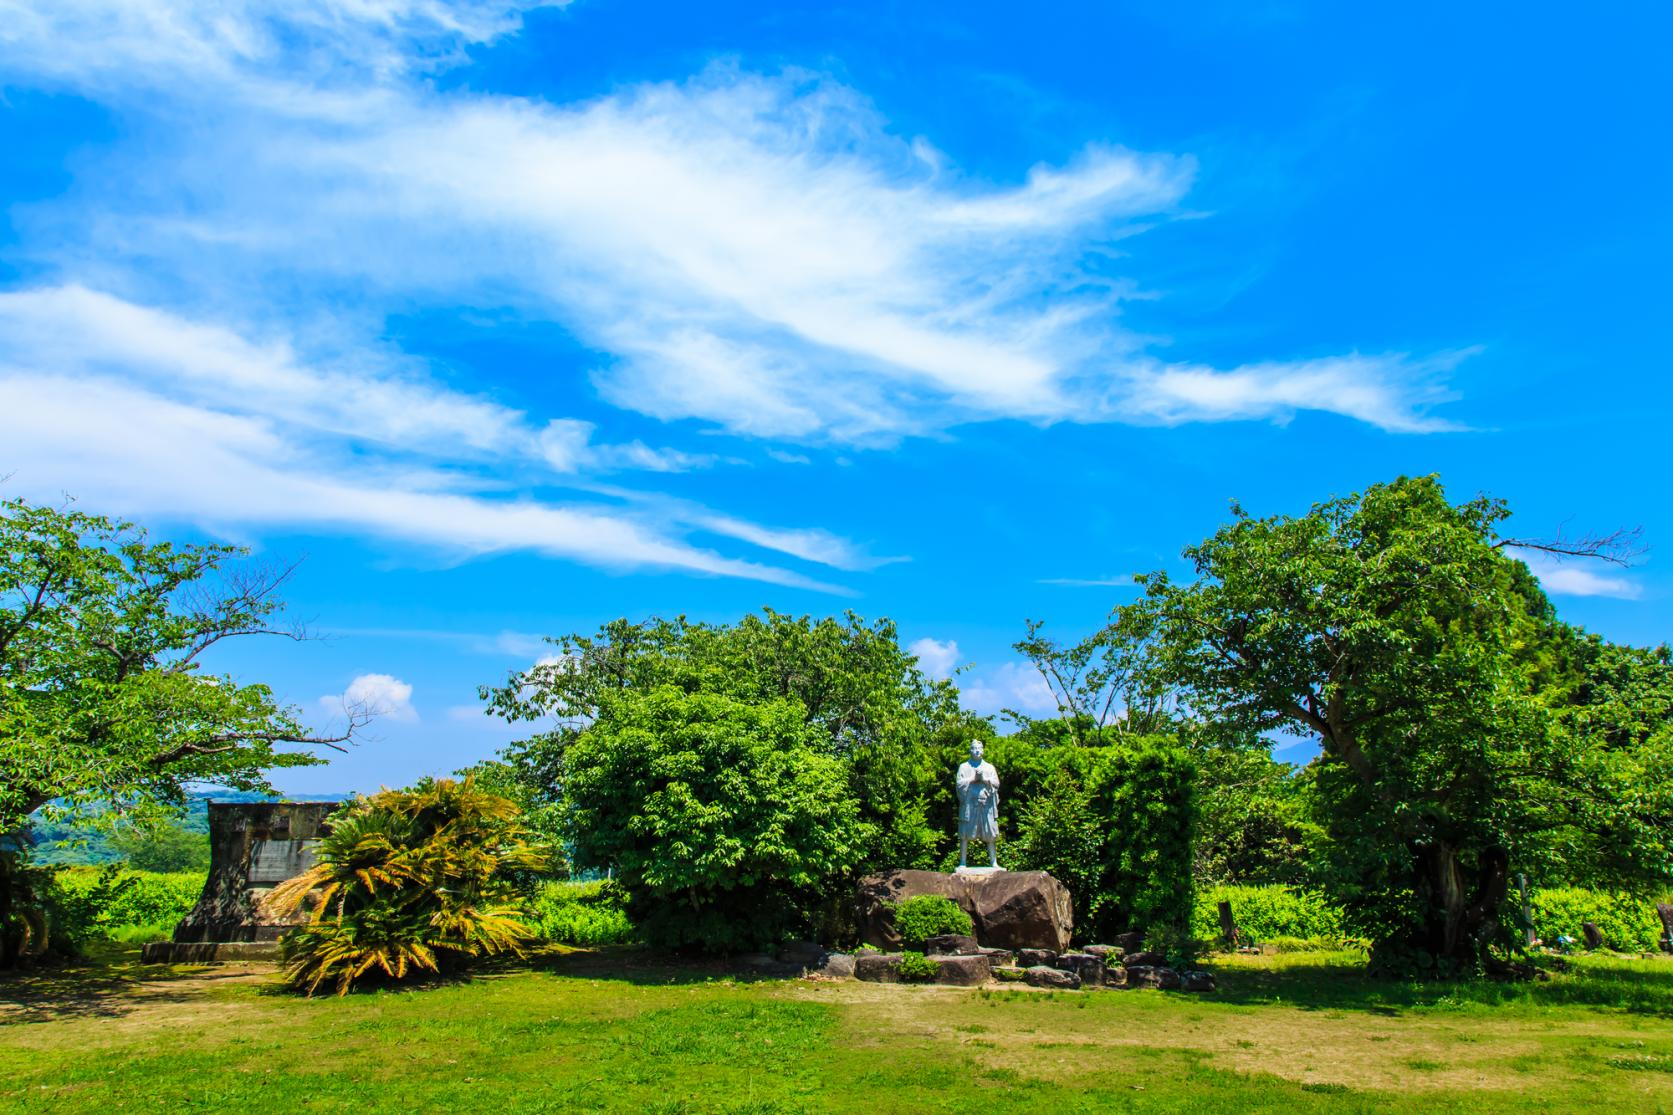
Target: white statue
978 805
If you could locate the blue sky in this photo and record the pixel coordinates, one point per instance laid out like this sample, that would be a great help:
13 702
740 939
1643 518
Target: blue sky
511 319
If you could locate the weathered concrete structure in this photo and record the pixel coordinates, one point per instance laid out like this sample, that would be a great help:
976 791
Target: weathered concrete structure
253 847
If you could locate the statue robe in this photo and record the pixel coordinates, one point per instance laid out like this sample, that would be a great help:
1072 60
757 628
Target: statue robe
978 802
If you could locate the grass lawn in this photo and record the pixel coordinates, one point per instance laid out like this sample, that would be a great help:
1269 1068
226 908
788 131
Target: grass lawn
611 1031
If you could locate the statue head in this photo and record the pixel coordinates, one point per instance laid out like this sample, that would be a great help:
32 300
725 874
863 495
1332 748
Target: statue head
975 751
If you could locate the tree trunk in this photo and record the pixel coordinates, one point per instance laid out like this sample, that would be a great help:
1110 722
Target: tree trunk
1463 913
1665 912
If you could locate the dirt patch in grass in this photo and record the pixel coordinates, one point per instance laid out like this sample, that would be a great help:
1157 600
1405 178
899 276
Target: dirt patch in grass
1067 1035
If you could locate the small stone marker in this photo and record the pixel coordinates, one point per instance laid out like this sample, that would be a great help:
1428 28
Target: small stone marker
1197 981
952 944
1042 976
1089 968
962 971
1228 924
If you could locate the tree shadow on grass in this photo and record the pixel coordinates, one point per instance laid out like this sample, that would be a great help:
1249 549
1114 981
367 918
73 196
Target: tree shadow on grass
109 984
642 966
1637 988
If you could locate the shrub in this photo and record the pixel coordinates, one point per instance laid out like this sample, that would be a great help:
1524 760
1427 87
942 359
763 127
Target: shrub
1114 823
726 821
1265 913
409 881
915 967
929 915
1627 923
111 901
580 914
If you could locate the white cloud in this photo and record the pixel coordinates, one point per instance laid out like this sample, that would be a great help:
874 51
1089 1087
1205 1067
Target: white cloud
758 252
1123 580
1575 579
247 43
380 695
141 454
366 393
1013 685
935 658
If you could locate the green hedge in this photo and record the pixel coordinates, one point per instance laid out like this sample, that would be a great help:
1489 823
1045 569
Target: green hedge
1267 913
580 914
101 902
1627 923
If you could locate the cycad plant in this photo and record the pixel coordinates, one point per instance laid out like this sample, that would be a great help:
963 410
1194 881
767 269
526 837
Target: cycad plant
409 882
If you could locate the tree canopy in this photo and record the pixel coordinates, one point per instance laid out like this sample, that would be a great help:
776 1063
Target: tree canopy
103 693
1463 729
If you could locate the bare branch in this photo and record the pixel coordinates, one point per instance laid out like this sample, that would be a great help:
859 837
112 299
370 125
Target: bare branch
1621 547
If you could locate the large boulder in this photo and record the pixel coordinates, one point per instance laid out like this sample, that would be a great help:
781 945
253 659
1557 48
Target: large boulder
838 965
1009 909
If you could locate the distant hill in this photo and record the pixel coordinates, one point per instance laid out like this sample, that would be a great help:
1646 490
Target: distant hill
80 841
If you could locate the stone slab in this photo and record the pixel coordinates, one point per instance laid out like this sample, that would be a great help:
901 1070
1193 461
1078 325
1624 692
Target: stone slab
209 952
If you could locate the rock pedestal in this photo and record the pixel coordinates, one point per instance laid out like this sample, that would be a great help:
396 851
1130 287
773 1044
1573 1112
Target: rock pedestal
1010 909
253 847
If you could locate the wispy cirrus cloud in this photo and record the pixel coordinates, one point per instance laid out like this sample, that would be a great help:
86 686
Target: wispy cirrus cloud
1120 580
143 454
760 252
754 254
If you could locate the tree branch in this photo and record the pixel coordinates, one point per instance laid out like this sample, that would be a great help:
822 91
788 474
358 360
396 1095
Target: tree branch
1621 547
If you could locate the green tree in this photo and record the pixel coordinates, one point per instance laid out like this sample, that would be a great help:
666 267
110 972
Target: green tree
1255 823
1393 627
103 699
164 846
869 705
102 693
726 822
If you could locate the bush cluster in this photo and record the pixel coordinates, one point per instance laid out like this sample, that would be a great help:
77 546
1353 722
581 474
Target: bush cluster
568 913
915 967
1265 914
929 915
1628 923
113 901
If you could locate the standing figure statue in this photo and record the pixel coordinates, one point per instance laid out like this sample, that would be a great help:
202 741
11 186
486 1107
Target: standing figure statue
978 805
